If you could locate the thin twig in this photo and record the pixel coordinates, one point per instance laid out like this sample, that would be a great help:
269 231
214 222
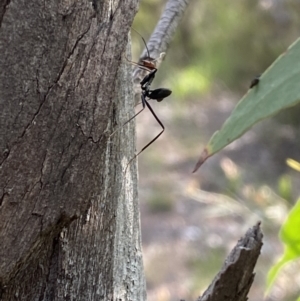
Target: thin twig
161 37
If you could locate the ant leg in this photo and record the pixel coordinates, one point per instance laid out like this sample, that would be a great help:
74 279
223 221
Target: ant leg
145 102
129 120
160 123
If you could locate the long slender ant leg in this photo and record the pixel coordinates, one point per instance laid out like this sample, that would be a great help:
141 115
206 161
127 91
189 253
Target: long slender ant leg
145 102
160 123
145 83
129 119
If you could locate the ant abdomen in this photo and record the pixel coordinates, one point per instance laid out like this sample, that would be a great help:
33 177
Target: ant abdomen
159 94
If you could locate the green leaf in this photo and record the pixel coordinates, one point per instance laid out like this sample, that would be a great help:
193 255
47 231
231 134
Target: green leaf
290 236
278 88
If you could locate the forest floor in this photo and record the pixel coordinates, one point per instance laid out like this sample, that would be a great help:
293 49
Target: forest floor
190 222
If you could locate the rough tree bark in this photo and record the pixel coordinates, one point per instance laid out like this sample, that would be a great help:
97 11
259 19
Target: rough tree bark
66 231
69 218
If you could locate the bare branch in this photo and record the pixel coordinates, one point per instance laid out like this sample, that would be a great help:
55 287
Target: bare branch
162 34
166 27
236 276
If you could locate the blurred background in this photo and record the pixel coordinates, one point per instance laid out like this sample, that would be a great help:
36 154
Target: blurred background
190 222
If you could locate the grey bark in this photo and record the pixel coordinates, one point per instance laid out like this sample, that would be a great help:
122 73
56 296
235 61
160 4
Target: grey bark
69 219
235 278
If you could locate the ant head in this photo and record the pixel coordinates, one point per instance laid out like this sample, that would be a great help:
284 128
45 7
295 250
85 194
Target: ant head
151 63
147 61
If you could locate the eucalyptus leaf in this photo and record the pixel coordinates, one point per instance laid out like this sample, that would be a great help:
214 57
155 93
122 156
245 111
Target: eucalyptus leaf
277 89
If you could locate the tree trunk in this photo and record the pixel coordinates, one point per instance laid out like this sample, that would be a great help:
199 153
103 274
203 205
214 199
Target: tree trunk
69 219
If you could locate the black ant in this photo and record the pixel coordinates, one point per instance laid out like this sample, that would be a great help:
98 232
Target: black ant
159 94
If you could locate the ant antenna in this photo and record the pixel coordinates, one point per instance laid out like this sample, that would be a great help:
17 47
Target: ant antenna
148 64
143 41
